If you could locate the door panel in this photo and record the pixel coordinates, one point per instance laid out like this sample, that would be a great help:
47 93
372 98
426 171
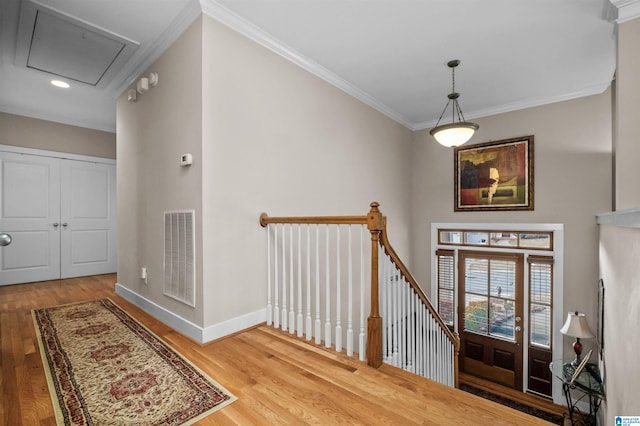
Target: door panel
29 212
539 372
490 316
88 241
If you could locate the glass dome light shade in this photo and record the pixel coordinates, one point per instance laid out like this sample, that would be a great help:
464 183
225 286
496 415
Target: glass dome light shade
454 134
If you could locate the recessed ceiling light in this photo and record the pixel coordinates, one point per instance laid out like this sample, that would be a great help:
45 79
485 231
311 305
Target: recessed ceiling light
59 83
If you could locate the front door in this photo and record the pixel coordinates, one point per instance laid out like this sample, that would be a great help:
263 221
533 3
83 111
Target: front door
490 316
30 213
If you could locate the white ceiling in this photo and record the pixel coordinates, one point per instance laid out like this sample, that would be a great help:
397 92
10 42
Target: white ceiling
391 54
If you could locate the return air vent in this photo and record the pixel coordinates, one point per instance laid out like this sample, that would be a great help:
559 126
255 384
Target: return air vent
179 256
55 43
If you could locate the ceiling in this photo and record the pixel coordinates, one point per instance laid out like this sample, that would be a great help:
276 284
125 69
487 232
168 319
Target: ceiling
391 54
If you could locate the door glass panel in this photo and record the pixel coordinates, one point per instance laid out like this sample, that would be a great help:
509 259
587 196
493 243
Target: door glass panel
475 313
540 275
490 293
502 278
446 285
541 241
508 239
476 275
476 238
450 237
502 318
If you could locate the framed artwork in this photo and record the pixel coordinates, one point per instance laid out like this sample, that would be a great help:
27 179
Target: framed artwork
494 175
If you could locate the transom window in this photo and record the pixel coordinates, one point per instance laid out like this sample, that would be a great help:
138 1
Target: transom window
507 239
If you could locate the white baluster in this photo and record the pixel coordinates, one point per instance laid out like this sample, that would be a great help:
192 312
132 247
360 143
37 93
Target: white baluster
384 297
421 339
389 304
269 306
432 346
350 300
318 328
276 284
361 348
412 329
327 324
403 320
407 302
292 313
308 319
284 282
299 324
396 311
338 294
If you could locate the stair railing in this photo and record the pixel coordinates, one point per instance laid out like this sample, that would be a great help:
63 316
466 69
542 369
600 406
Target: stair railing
415 338
307 284
310 290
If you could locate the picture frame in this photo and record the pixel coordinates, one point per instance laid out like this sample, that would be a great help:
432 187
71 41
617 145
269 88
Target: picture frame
580 367
494 175
600 330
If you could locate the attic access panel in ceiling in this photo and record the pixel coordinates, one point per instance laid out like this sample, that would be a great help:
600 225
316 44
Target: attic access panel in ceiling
61 45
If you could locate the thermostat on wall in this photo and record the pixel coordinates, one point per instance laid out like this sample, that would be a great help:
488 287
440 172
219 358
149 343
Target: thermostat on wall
186 160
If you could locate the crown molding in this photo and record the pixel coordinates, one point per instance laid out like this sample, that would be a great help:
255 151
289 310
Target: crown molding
226 17
627 9
527 103
144 58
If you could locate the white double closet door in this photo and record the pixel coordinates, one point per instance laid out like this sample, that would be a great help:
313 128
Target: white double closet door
60 214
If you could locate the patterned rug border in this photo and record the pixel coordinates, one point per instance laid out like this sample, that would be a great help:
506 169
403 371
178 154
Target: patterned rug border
51 383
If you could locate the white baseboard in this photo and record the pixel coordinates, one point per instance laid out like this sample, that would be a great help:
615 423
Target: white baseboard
186 327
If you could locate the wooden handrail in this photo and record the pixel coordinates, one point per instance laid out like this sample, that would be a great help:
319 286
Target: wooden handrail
321 220
376 223
452 336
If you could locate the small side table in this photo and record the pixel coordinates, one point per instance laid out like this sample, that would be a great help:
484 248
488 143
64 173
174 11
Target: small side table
588 384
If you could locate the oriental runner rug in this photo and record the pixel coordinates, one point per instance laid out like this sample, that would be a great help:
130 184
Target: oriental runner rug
103 367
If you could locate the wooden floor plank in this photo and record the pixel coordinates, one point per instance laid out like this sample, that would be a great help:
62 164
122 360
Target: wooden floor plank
278 378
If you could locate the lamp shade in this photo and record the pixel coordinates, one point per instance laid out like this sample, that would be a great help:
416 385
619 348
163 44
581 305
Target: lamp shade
454 134
576 326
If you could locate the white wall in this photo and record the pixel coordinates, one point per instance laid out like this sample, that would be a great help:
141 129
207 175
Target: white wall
152 133
277 139
572 182
619 254
627 125
266 136
620 247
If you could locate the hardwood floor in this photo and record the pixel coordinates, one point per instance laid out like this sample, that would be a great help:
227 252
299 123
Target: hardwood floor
278 379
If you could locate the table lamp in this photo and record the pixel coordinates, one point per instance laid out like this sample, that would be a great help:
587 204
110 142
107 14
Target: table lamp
576 326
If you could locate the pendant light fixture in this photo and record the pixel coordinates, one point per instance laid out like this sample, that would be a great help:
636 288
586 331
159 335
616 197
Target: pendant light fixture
458 132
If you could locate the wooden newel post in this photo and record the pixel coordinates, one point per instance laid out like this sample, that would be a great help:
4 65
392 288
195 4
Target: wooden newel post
375 224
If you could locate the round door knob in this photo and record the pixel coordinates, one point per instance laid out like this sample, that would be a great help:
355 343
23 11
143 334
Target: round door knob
5 239
518 328
55 225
